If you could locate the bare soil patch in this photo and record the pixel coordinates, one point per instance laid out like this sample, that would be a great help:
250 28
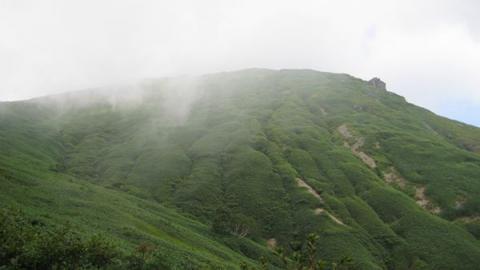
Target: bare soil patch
424 202
359 142
318 211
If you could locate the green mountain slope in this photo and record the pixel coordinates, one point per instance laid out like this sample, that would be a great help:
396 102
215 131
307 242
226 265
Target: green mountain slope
258 155
30 182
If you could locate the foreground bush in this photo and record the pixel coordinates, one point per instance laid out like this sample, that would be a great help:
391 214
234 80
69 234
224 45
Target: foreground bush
303 257
26 244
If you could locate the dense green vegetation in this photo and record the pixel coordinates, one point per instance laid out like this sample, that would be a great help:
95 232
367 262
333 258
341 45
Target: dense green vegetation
208 169
29 245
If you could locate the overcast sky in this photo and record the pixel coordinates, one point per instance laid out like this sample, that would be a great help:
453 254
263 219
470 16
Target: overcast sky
427 51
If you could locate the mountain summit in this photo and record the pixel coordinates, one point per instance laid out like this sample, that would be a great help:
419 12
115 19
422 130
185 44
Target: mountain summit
376 82
218 169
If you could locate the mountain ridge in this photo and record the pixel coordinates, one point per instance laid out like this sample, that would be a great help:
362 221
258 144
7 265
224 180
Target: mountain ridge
229 149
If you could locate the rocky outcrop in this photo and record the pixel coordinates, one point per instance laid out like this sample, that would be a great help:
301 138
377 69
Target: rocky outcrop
377 83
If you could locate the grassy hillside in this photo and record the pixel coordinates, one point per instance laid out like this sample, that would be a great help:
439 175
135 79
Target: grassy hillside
211 168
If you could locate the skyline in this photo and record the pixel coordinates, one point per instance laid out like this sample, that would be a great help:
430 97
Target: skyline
428 52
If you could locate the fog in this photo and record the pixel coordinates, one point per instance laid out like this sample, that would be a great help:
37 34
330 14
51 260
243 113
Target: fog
427 51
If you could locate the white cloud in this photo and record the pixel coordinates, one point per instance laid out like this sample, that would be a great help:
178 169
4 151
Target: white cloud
428 51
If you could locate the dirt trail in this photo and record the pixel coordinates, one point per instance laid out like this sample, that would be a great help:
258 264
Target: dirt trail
424 202
322 110
310 190
343 129
473 219
318 211
272 243
460 202
359 142
391 176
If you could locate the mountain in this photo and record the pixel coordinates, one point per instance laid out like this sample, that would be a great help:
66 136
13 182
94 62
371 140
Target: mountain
218 169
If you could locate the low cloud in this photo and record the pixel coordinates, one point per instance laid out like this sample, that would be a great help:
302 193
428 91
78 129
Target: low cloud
428 51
